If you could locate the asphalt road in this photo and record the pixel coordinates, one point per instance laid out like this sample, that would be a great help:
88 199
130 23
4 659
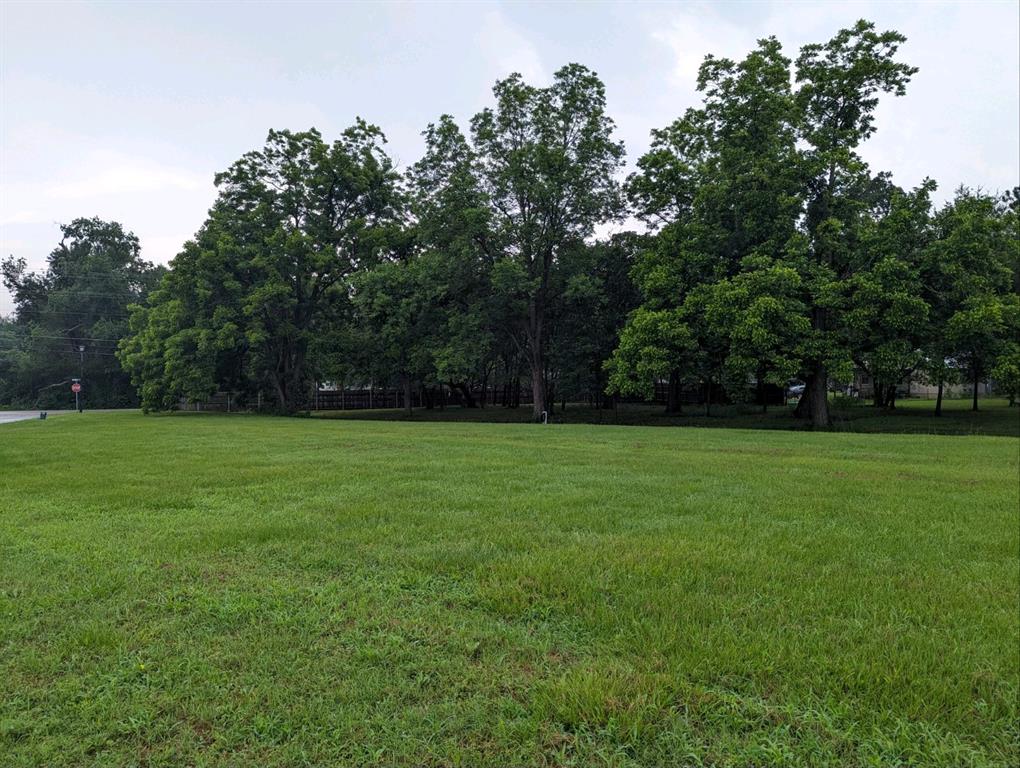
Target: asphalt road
8 416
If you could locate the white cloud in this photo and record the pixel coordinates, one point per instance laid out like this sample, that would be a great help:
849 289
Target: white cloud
108 173
20 217
160 248
695 33
156 200
508 50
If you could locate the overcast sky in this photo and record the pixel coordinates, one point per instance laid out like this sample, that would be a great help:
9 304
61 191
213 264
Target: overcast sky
126 110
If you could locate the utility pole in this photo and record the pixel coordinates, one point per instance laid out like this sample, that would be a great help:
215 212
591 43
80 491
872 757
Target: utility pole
81 373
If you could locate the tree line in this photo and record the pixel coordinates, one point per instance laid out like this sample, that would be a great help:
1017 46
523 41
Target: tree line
70 318
768 251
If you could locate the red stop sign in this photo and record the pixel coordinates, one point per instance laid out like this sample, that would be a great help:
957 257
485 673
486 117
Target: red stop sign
76 387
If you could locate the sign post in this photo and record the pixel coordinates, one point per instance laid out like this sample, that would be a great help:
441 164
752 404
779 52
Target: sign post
76 388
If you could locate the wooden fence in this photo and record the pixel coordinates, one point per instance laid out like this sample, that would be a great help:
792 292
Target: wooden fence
437 397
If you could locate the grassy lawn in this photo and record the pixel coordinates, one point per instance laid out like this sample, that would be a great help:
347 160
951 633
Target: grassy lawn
227 591
909 417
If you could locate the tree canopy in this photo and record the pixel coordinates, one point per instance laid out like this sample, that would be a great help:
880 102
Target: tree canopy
762 250
69 318
268 274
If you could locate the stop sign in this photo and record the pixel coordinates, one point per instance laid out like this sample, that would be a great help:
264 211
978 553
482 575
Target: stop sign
76 387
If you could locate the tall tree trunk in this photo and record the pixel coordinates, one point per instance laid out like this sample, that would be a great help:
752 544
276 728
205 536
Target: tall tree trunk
537 393
286 380
816 398
708 397
408 405
465 394
537 382
977 376
938 399
536 357
879 393
296 385
281 391
674 406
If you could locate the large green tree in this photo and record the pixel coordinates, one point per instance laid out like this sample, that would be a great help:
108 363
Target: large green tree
764 177
760 312
548 164
1006 371
458 248
884 318
598 294
969 274
395 317
267 277
839 86
70 316
721 187
188 340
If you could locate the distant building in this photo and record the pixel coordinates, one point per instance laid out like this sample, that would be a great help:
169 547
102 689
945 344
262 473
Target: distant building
864 387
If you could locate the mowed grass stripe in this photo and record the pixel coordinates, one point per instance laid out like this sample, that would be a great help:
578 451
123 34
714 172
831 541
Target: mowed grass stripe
226 590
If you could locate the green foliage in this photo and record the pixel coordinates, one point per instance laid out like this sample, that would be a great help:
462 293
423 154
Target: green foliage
597 295
69 318
969 272
394 307
773 253
779 255
265 284
885 317
651 346
459 248
547 162
982 329
723 182
761 313
1006 373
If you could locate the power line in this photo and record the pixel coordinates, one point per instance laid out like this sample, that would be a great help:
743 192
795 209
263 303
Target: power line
86 272
127 293
97 295
23 344
66 338
104 273
47 339
68 352
48 311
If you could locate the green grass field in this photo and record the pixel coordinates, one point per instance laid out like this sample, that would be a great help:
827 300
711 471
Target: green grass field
232 591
